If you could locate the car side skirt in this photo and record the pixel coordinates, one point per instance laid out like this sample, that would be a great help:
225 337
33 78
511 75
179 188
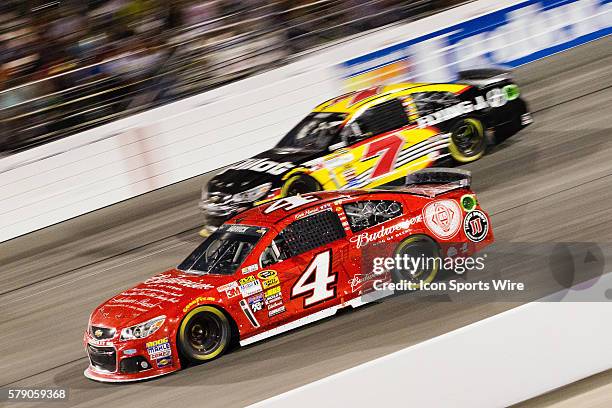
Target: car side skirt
322 314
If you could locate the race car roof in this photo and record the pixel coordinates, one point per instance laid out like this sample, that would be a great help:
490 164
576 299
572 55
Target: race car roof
273 212
353 101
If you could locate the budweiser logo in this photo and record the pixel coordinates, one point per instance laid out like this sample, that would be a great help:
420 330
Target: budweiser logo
365 238
359 279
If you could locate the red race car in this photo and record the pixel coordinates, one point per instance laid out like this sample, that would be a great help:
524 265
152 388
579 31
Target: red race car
281 265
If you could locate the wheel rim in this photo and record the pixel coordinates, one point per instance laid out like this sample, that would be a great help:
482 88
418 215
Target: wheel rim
468 138
204 333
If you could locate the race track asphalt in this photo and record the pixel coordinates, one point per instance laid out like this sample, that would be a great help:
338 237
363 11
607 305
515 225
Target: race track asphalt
550 183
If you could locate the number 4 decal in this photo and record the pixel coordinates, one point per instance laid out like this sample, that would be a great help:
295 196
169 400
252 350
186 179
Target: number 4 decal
387 148
318 283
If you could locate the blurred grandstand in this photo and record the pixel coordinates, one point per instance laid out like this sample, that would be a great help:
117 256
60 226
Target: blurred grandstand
66 66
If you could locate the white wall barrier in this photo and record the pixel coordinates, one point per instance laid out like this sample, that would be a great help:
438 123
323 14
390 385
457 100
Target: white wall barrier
132 156
496 362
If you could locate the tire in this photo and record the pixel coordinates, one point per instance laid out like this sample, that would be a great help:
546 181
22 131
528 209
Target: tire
300 184
204 334
418 246
467 141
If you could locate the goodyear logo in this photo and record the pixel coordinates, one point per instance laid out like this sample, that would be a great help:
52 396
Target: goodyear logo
197 301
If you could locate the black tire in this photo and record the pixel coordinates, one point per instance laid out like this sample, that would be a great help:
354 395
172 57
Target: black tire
204 334
418 246
468 142
300 184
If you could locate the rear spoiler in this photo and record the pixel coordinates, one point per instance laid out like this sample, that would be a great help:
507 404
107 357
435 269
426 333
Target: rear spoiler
433 182
484 77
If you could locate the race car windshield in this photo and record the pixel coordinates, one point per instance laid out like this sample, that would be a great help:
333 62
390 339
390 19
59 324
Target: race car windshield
223 251
315 131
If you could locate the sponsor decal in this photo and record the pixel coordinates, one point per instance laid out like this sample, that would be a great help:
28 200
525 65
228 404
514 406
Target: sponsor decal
238 228
312 211
227 286
152 294
443 218
264 166
127 306
138 304
494 98
276 311
164 362
159 348
247 279
167 278
249 269
198 301
273 291
256 302
266 274
476 226
97 342
290 203
231 289
232 292
272 281
365 237
273 299
359 279
250 287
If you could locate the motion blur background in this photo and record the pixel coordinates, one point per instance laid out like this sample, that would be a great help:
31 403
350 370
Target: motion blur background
66 66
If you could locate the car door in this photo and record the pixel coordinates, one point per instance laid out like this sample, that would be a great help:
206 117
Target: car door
308 257
371 236
385 144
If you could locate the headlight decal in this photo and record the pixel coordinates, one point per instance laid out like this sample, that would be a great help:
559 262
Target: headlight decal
142 330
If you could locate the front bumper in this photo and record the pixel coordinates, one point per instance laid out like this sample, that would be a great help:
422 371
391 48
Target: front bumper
119 361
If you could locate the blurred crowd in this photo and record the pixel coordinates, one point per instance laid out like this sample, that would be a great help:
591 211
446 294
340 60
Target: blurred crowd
71 64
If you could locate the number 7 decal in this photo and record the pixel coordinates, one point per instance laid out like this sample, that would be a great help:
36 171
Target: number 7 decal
388 149
318 283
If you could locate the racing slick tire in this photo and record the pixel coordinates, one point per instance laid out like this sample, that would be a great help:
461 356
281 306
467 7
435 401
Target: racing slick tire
418 246
204 334
300 184
467 142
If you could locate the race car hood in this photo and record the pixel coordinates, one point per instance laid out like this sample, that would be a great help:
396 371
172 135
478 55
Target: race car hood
267 167
161 294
